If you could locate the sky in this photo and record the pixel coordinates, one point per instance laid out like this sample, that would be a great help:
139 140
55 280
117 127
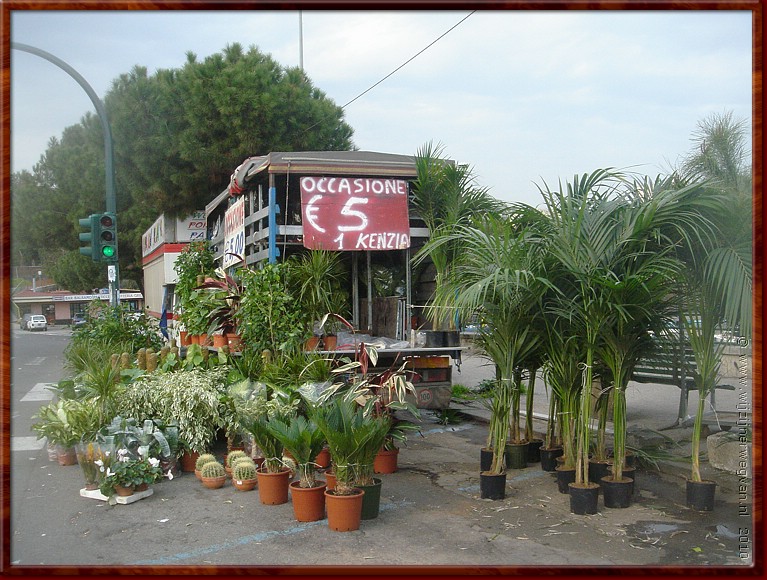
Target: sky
525 98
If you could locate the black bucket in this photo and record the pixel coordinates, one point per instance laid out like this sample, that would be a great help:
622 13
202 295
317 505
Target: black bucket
516 455
617 494
485 459
598 470
584 500
451 338
549 458
492 486
700 495
371 501
534 450
434 338
564 478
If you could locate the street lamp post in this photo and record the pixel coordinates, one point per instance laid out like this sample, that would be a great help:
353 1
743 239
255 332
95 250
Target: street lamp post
111 201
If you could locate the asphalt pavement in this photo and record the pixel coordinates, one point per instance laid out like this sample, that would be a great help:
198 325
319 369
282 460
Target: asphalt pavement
431 513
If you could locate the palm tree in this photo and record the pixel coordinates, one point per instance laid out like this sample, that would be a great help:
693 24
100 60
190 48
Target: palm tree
445 195
496 275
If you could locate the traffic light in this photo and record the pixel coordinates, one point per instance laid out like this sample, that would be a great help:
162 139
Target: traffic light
107 237
90 237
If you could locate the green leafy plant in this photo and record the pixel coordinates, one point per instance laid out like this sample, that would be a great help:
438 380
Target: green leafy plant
256 421
190 399
66 422
270 316
130 470
303 440
193 264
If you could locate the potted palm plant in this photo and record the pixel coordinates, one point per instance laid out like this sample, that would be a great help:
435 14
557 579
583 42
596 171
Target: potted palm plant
317 277
343 424
274 476
304 441
369 443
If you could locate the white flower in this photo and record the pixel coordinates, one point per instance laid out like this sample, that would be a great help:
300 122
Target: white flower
99 463
154 462
170 475
110 473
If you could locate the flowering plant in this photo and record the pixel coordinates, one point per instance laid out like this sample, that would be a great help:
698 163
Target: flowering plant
129 471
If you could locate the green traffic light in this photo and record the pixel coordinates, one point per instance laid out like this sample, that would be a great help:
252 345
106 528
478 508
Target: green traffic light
108 251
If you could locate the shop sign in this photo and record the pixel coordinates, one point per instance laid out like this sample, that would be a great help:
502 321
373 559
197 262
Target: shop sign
234 233
361 213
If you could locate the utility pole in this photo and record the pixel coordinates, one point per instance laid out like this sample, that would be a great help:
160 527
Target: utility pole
111 200
301 40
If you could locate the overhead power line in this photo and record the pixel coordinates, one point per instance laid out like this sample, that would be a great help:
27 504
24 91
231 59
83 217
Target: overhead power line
412 58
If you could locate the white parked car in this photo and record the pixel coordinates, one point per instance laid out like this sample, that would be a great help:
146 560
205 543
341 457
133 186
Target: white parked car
37 322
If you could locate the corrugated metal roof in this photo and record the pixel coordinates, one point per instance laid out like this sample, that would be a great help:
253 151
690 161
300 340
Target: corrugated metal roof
359 163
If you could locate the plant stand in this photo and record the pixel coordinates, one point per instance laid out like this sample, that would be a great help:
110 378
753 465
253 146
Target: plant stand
96 494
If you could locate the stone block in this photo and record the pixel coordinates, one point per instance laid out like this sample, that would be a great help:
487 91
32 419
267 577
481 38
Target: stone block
729 452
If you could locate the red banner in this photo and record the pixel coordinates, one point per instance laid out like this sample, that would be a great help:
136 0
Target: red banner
361 213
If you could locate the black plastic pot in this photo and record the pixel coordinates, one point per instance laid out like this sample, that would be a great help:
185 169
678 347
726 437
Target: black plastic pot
371 501
617 494
598 470
700 495
549 458
485 459
564 478
451 338
434 338
629 472
516 455
584 499
534 450
492 486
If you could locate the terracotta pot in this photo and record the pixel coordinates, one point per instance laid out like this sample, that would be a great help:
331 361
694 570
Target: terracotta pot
235 342
123 491
330 480
344 511
330 341
193 339
308 502
245 484
189 460
183 337
323 458
219 340
197 473
142 487
385 461
66 455
312 343
213 482
204 340
273 487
